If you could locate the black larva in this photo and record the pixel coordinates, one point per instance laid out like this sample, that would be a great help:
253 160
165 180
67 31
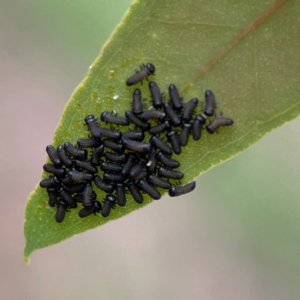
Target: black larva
218 122
174 141
176 101
153 114
52 169
96 155
109 203
199 121
175 191
87 199
185 133
137 103
119 158
61 211
128 165
112 177
167 161
110 167
93 209
210 103
149 189
160 128
66 160
74 151
67 198
113 145
157 100
50 182
146 70
86 166
133 135
109 118
110 133
137 168
159 182
161 145
102 185
53 156
135 192
79 176
91 122
174 118
137 121
141 147
167 173
189 109
52 196
74 188
87 143
120 194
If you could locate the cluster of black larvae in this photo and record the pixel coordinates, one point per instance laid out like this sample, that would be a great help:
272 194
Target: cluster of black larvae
138 160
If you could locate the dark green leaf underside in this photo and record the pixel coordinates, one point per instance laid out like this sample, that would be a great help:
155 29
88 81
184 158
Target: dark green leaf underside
246 53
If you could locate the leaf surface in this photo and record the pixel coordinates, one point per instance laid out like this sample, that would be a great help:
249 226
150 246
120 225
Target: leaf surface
246 52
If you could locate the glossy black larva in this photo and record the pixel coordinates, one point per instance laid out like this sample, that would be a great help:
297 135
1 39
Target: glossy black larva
135 192
199 121
87 143
86 165
159 182
79 176
137 168
120 194
115 157
167 173
52 169
153 114
52 201
113 177
189 109
67 198
67 180
53 155
174 118
109 203
210 103
79 197
157 100
92 124
133 135
136 121
146 70
74 188
176 101
142 175
74 151
50 182
137 103
185 133
161 145
141 147
66 160
175 191
152 163
167 161
112 119
110 167
149 189
218 122
111 134
128 165
174 141
87 199
102 185
93 209
61 211
165 126
96 155
118 147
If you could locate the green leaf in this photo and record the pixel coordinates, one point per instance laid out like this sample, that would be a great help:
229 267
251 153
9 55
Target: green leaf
247 53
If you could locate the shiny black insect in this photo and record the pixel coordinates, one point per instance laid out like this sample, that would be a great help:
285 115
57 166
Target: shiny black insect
118 147
135 192
53 156
52 196
174 141
74 151
146 70
62 207
159 182
149 189
133 135
210 103
176 101
87 199
93 209
153 114
67 198
67 180
185 133
86 166
175 191
142 175
111 167
137 121
199 121
189 109
74 188
160 128
137 146
109 118
167 173
79 197
96 155
50 182
120 194
92 124
66 160
112 177
78 176
87 143
119 158
161 145
167 161
109 203
128 165
218 122
137 103
110 134
174 118
52 169
157 99
137 168
102 185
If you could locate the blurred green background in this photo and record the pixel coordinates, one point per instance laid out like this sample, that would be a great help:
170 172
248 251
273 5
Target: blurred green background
237 236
